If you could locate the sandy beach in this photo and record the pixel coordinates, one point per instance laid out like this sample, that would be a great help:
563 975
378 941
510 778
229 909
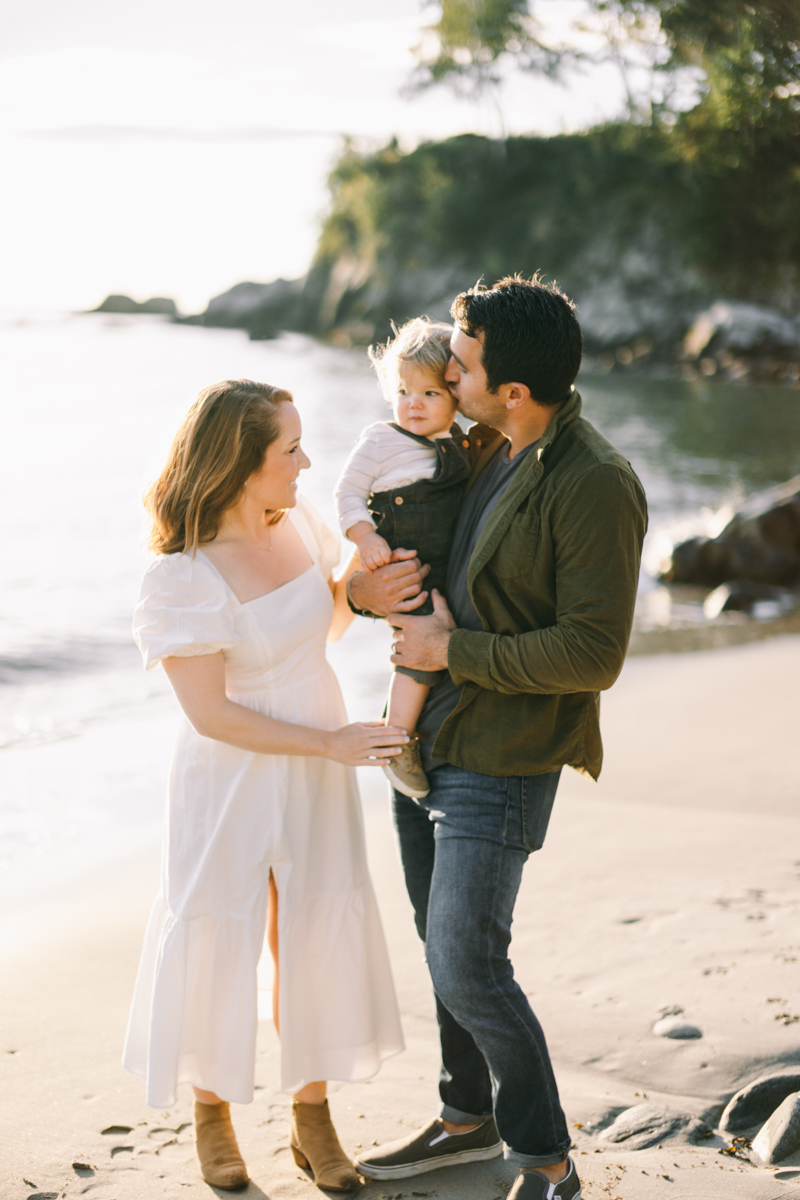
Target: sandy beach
673 884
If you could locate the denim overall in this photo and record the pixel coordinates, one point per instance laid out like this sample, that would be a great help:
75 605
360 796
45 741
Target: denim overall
421 515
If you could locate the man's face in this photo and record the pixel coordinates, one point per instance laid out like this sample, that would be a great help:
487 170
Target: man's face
466 379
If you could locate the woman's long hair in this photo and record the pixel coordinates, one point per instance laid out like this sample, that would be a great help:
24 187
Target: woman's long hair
222 441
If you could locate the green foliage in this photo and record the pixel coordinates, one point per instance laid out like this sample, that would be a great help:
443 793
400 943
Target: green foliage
748 54
568 205
722 179
472 35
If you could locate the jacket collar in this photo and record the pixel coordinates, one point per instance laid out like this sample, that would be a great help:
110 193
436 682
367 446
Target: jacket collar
566 415
524 482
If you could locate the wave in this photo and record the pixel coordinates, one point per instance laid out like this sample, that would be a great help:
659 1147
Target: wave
70 656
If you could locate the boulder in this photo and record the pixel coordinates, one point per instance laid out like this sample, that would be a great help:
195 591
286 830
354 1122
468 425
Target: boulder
748 329
760 544
648 1124
756 599
263 309
780 1137
756 1102
161 305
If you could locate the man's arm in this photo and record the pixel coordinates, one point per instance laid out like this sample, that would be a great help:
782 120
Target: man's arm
597 541
393 588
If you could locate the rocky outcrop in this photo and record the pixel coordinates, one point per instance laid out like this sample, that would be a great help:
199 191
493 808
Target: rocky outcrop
744 339
760 544
758 599
159 305
262 309
629 320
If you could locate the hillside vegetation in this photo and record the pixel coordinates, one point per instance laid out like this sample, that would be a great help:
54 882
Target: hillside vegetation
645 222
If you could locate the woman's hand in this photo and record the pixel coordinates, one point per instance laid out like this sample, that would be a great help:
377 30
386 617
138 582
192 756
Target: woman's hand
199 683
365 744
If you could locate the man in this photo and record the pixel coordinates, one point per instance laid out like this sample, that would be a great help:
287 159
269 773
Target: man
539 603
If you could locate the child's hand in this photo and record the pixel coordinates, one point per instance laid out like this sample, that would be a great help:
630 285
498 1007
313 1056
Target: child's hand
373 551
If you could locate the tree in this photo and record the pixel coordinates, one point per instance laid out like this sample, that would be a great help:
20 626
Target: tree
465 46
747 55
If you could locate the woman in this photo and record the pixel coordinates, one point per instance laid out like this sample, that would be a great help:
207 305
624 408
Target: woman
264 824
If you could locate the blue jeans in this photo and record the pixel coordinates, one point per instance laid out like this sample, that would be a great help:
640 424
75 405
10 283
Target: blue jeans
463 849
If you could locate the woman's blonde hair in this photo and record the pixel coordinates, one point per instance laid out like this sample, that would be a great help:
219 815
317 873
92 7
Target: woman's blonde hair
222 441
421 342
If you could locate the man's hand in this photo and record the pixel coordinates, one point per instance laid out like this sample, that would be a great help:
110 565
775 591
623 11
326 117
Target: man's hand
421 642
393 588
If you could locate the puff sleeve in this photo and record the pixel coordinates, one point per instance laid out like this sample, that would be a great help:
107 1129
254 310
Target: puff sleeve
184 609
327 543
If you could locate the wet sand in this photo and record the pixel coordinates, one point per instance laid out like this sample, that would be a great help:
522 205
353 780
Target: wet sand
673 883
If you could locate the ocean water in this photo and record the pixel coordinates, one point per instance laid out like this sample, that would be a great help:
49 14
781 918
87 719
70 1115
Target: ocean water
90 404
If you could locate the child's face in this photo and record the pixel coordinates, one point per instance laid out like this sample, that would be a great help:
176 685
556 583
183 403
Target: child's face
422 404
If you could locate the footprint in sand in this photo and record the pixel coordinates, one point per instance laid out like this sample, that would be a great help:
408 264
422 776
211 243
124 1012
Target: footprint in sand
169 1137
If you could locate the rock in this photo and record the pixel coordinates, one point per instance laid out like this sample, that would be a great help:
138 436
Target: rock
749 329
161 305
676 1027
263 309
760 544
780 1137
758 599
712 561
754 1103
648 1124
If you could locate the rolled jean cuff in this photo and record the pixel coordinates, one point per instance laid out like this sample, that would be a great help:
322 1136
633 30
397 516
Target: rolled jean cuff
456 1117
536 1160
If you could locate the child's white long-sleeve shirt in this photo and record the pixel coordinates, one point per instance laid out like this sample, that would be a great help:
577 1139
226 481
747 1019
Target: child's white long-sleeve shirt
383 458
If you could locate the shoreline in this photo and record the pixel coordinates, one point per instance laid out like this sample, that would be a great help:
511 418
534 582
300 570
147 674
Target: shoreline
720 635
673 882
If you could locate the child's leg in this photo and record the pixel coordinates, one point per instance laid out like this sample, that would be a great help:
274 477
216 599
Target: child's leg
406 698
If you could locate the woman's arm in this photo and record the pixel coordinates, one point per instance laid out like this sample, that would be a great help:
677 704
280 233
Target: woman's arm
342 613
199 684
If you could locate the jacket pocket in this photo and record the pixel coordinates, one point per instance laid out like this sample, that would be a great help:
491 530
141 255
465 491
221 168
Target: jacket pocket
520 545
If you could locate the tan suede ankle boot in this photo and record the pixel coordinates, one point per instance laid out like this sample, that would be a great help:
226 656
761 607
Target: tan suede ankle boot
221 1164
314 1144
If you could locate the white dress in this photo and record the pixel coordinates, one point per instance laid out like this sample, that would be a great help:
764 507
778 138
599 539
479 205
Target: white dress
234 815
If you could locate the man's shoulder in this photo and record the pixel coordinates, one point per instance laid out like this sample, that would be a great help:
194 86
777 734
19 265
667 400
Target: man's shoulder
591 450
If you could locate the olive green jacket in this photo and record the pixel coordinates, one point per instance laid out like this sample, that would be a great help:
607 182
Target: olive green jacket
553 578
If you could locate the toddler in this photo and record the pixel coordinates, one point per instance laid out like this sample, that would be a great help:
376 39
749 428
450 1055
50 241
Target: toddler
402 487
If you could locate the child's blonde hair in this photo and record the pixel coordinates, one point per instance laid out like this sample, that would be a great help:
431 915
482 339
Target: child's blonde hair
421 342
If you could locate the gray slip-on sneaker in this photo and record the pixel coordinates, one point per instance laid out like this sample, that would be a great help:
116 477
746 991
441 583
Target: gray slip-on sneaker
531 1185
431 1148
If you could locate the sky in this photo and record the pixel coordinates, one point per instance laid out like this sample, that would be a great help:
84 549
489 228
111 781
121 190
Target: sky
177 147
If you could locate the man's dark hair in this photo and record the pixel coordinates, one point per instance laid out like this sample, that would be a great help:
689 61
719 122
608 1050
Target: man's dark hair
530 335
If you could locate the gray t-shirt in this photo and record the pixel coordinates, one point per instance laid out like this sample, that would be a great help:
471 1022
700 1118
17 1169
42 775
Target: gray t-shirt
475 512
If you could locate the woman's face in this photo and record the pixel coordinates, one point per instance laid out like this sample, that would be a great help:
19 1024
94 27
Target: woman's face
274 485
